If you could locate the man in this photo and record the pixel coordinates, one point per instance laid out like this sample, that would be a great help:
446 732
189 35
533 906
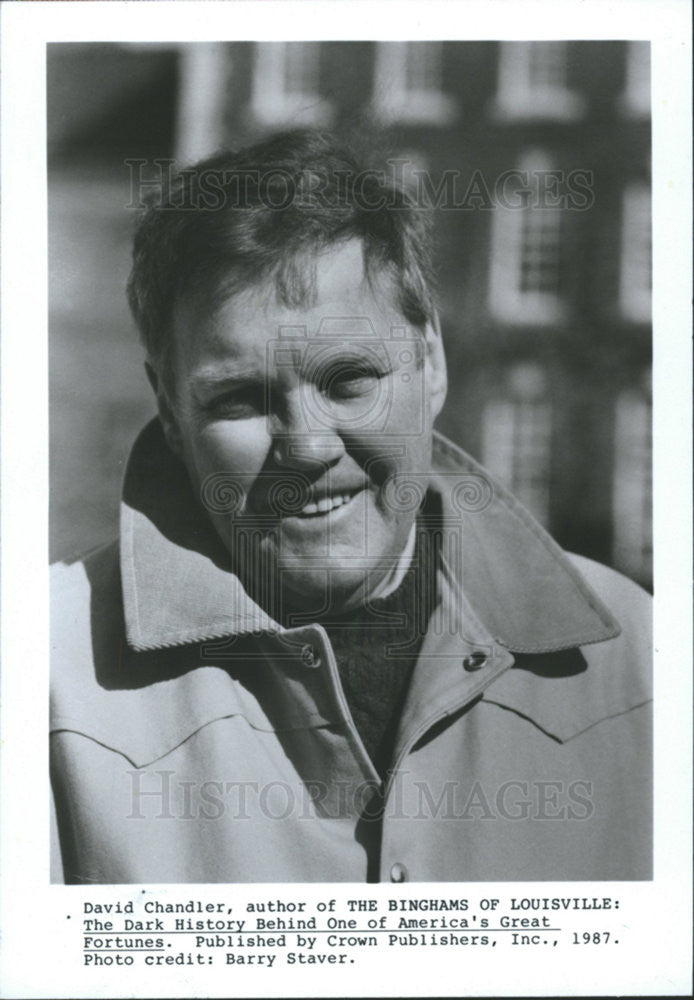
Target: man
327 647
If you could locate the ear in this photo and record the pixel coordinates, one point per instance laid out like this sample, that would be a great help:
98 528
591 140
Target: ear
167 413
435 367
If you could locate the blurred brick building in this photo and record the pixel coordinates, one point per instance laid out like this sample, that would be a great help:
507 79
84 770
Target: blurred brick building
536 157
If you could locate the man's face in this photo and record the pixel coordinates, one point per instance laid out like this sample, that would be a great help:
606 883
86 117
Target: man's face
301 418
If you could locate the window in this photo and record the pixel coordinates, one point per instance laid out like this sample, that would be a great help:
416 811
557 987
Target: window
408 84
532 82
636 97
632 496
526 251
203 92
635 257
286 85
516 438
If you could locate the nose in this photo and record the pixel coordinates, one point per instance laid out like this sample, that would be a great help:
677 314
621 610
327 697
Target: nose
306 438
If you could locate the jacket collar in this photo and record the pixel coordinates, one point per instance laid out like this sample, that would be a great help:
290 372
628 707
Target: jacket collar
177 589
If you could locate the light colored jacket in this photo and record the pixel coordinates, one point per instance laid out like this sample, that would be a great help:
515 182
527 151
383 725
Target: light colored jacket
195 741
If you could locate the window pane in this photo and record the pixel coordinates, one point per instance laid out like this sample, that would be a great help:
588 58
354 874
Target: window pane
632 495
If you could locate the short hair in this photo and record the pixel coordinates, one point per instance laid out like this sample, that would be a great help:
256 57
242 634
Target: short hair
264 213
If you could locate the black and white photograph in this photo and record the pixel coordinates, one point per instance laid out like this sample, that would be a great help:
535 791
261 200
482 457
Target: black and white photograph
319 641
356 511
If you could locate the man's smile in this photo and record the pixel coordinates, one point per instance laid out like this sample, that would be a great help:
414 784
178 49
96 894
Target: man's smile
291 494
325 504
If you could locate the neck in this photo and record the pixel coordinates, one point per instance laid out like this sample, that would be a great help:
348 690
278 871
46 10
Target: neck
391 580
296 603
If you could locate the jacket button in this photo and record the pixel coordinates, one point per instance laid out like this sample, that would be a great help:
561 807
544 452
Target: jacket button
308 657
398 873
475 661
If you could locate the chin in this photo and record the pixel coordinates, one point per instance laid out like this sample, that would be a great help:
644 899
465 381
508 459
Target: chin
322 590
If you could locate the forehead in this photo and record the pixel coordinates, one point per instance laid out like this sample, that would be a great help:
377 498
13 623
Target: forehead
344 303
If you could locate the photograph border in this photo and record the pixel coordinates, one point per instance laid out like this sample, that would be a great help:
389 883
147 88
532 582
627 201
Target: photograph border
36 916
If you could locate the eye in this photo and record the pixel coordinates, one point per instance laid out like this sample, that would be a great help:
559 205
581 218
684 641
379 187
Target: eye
352 379
240 404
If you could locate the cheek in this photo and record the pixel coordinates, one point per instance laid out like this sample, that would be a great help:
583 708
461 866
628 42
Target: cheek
397 459
238 448
406 435
409 400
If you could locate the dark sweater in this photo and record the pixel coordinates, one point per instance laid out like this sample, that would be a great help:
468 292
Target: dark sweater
376 647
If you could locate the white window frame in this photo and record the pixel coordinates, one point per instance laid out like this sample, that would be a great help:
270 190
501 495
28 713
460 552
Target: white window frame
519 97
395 101
635 292
632 516
635 100
508 300
203 93
517 439
272 103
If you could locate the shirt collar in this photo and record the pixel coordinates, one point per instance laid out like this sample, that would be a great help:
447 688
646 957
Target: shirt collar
177 588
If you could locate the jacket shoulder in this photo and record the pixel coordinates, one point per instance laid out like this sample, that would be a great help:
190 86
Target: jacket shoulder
619 671
85 611
71 576
568 691
79 588
631 605
139 704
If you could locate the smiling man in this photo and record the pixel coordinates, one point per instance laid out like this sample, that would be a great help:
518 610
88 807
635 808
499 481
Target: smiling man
327 646
330 396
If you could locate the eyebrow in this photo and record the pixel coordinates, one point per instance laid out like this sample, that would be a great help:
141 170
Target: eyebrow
207 380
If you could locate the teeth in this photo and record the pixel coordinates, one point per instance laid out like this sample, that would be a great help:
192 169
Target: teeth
325 504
